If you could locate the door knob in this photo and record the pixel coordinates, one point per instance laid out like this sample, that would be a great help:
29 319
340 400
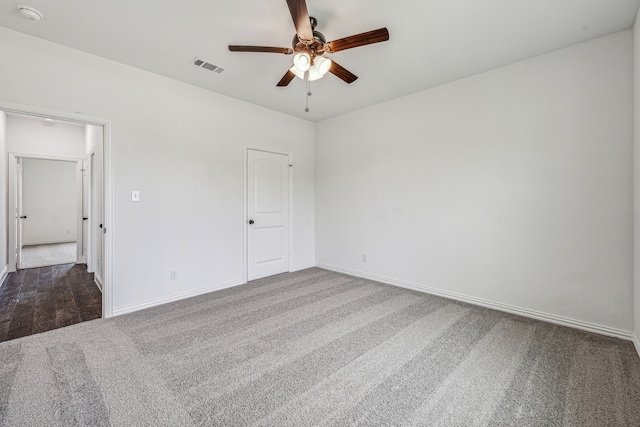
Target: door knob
251 221
23 216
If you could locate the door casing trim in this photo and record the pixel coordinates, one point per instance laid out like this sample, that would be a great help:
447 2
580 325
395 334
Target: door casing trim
107 183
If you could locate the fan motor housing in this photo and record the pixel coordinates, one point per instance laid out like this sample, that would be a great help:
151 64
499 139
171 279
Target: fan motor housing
315 46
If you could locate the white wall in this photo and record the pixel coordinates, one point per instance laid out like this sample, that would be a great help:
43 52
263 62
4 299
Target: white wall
3 194
95 145
50 201
636 178
182 147
33 136
513 186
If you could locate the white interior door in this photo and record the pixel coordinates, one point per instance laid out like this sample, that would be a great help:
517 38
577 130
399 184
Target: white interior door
93 215
86 212
267 213
20 217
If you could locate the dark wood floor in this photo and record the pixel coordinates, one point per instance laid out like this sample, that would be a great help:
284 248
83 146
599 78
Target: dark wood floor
41 299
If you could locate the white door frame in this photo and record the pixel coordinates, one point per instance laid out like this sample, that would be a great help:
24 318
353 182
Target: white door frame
12 217
108 202
245 234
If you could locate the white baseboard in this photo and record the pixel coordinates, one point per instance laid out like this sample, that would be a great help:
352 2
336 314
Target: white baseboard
98 281
149 304
636 343
534 314
3 275
301 267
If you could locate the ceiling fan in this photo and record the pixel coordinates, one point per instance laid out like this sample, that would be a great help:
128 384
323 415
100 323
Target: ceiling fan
310 45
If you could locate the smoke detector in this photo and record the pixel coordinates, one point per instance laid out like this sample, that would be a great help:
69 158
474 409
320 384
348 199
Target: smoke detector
30 13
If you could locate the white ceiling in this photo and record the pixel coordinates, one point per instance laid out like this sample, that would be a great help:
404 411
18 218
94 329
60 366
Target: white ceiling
431 41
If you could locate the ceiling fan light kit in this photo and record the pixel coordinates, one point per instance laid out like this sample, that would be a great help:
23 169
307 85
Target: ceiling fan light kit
319 69
309 46
314 75
298 73
302 61
323 64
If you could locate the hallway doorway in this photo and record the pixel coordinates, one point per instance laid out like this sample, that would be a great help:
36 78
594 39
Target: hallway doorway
47 192
49 284
94 153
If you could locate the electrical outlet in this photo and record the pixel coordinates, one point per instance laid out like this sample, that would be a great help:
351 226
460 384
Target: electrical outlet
173 274
365 257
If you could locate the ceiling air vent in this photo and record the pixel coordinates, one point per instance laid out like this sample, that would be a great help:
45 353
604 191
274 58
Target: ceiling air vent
206 65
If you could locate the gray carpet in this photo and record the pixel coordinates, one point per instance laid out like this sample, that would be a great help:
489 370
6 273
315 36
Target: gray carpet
318 348
46 255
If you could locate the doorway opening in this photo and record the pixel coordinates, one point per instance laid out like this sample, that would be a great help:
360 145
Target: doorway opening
47 194
57 244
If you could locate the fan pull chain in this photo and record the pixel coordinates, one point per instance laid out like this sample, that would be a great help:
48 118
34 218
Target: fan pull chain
308 95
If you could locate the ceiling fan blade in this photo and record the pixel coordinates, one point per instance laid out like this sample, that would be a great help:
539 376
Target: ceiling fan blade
265 49
370 37
342 73
300 15
286 79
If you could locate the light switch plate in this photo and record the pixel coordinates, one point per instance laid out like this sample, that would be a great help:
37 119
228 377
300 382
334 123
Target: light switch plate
135 196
